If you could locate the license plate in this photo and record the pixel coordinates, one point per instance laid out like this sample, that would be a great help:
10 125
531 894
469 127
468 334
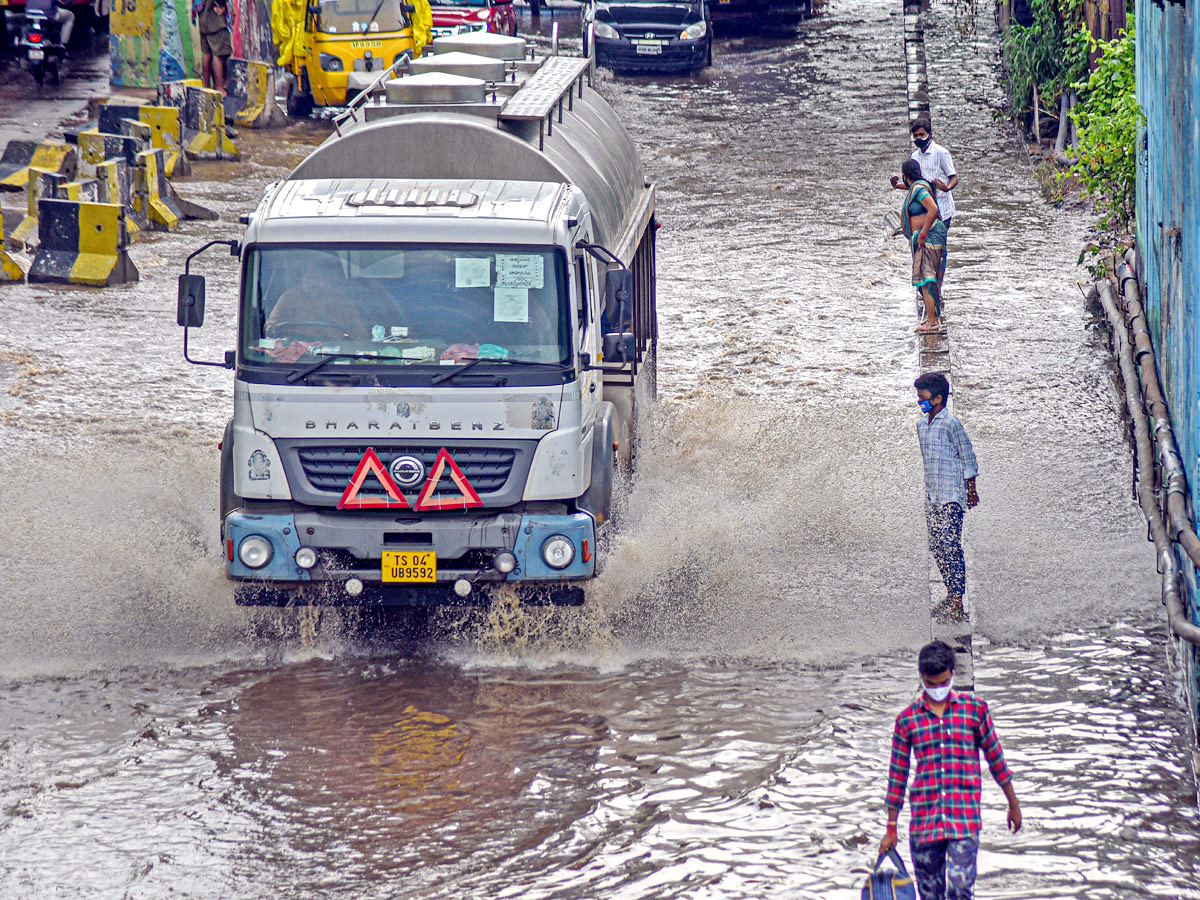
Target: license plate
366 45
650 49
409 565
37 55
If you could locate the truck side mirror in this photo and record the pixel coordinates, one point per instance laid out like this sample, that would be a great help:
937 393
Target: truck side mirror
189 311
620 345
618 292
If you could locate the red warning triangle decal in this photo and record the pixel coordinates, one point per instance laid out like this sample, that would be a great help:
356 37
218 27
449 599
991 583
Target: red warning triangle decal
370 464
467 498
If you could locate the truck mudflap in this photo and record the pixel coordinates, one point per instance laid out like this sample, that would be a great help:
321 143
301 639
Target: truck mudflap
273 567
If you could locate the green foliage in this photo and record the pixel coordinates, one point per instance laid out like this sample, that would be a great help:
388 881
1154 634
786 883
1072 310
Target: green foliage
1107 121
1051 54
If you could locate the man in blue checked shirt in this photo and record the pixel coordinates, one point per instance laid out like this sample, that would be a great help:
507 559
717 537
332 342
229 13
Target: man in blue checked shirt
950 471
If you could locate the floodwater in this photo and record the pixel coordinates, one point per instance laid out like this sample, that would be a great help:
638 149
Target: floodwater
716 723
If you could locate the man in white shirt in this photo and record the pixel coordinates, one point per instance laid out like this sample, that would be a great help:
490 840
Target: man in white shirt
938 168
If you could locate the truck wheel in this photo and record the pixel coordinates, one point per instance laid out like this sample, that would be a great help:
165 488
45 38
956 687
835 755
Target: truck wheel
299 102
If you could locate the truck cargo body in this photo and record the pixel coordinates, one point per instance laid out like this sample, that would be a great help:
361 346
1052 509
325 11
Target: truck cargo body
422 410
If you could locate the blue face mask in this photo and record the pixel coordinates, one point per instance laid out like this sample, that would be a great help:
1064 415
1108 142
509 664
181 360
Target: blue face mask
926 406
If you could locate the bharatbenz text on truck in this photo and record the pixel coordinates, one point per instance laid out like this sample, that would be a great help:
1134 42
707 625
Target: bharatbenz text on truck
446 317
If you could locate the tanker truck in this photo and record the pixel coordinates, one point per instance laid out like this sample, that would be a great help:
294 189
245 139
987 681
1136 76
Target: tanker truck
446 328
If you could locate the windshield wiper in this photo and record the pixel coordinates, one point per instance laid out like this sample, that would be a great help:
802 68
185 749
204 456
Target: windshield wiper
458 370
325 359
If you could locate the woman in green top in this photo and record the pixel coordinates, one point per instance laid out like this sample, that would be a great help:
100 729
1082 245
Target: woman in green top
926 231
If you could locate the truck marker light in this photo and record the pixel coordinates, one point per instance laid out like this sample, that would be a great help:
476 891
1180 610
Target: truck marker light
587 552
229 549
467 499
370 464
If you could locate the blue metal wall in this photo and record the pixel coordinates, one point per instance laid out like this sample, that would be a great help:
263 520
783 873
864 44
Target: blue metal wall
1168 227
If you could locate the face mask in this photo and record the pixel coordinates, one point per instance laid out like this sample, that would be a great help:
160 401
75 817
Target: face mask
922 143
926 406
939 694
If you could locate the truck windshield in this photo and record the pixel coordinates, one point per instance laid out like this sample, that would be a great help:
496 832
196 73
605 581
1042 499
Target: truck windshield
390 306
360 16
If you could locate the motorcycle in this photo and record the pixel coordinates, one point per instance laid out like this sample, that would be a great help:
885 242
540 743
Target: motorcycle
40 42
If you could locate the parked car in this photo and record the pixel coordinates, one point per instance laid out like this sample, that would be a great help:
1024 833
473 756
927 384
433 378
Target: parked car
650 35
462 16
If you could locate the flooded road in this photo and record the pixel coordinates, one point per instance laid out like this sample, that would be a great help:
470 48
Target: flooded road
716 723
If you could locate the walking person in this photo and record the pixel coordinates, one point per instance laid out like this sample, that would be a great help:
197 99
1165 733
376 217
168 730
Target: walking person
950 472
216 40
937 167
927 239
944 732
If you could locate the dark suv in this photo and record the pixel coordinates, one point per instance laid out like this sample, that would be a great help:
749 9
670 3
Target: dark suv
650 35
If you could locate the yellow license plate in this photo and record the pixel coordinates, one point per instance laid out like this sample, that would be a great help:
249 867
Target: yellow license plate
365 45
409 565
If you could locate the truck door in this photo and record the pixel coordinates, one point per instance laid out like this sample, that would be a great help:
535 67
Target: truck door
587 324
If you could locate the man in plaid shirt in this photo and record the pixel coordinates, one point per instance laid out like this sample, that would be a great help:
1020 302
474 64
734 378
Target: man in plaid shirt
950 471
945 731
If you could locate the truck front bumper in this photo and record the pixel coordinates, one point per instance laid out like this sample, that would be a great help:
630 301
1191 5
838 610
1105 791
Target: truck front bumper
349 553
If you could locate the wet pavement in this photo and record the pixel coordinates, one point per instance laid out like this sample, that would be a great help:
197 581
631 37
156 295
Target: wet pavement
716 723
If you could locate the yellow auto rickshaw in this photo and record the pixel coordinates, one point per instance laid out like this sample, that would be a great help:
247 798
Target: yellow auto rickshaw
335 48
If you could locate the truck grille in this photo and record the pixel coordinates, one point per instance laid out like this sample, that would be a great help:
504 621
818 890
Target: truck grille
329 468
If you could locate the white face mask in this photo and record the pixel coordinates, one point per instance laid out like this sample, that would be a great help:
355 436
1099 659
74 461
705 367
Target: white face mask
939 694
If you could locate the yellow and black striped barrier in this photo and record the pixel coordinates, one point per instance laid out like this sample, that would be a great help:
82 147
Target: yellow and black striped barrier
204 134
21 156
9 270
39 184
82 243
95 147
155 201
250 100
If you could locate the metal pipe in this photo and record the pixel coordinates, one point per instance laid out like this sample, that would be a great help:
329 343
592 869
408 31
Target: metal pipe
1178 495
1144 466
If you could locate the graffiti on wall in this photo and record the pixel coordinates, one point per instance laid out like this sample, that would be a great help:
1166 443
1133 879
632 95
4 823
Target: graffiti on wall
154 40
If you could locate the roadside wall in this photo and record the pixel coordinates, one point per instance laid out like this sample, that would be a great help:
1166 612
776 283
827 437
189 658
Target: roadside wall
1168 208
1168 227
154 40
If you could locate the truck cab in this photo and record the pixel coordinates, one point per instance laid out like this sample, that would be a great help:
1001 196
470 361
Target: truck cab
436 373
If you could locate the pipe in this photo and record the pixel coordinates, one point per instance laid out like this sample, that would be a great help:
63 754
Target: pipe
1178 495
1144 466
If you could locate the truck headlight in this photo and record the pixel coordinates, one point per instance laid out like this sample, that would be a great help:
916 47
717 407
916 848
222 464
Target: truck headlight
558 552
331 63
694 32
606 31
306 557
254 551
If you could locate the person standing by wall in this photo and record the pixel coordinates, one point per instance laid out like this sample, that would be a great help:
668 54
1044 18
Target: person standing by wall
950 472
944 732
937 167
214 19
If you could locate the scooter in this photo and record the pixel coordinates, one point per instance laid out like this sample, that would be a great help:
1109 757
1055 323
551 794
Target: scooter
40 42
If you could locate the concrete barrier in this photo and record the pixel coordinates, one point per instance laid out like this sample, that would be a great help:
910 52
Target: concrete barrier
155 201
97 146
204 123
87 189
40 184
9 270
250 101
20 156
82 243
204 135
166 131
114 182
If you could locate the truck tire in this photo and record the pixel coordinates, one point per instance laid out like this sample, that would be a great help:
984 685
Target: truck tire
597 499
299 101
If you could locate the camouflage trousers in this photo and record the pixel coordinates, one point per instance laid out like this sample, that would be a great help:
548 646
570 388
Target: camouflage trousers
945 870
